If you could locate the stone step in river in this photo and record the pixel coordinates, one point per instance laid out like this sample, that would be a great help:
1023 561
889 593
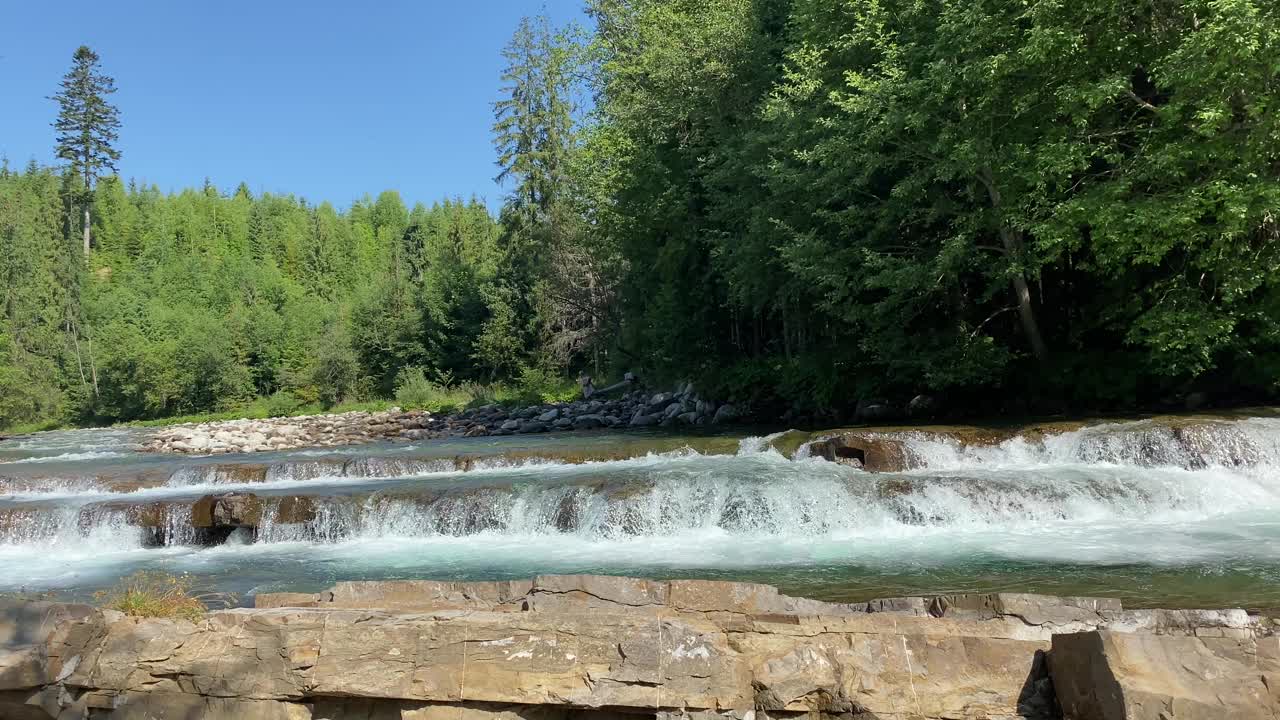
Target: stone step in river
1170 512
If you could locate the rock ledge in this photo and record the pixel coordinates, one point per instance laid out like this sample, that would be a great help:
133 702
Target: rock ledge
605 648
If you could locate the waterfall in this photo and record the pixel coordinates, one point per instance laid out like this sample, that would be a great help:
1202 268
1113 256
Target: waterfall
1254 442
1100 501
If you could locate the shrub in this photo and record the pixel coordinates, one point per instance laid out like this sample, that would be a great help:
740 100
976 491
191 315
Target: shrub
536 386
478 393
157 594
415 390
282 403
335 369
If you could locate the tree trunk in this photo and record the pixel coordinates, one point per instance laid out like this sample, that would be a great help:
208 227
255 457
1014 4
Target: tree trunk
93 366
1011 239
86 229
79 362
88 199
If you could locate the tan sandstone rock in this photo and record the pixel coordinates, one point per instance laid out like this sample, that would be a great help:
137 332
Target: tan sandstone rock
603 648
1107 675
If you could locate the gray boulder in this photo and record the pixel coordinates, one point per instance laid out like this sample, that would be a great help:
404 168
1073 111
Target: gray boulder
642 420
660 400
875 410
727 413
922 406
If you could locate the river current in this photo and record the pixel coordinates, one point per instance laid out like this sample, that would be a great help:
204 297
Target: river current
1120 510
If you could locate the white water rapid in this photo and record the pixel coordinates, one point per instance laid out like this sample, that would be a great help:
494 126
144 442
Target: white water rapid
1174 515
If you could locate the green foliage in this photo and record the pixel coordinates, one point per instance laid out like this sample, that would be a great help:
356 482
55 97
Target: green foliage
87 123
196 303
87 128
155 594
554 301
335 369
895 197
40 275
415 390
281 403
799 203
537 386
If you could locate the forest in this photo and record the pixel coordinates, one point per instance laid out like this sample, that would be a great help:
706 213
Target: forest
1015 207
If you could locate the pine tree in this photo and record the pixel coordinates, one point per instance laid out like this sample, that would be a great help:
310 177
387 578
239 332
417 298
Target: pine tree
533 123
536 139
87 126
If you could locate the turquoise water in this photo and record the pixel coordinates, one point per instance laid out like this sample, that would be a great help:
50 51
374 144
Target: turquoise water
1119 510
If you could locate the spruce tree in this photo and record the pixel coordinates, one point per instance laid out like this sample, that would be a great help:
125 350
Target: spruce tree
87 126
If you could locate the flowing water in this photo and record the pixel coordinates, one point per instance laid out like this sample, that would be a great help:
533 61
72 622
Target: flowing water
1156 516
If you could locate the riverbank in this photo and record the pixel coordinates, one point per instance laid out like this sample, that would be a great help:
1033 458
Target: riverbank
613 648
635 409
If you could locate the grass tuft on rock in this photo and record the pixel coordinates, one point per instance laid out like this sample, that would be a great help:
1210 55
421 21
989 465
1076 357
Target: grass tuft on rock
154 594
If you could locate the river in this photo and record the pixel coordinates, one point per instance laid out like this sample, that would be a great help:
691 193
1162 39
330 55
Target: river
1117 510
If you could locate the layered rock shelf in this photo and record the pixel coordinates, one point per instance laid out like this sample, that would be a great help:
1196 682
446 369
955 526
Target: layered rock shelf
635 409
606 648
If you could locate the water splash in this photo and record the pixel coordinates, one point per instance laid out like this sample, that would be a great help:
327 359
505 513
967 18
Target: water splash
1203 495
1250 443
65 457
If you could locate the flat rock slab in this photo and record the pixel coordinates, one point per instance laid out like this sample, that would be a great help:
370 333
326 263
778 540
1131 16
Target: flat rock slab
585 647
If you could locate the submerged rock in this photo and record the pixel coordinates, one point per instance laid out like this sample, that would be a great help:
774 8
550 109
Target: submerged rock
869 451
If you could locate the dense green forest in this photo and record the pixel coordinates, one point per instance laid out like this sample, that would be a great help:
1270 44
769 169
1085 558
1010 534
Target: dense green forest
1013 206
199 301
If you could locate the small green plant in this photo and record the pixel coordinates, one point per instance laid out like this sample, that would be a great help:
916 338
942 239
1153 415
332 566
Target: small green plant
478 393
150 593
536 386
415 390
281 404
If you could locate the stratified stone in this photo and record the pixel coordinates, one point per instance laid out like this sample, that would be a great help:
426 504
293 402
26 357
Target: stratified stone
31 634
587 647
1106 675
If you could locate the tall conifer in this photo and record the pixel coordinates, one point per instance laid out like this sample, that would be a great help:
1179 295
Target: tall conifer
87 126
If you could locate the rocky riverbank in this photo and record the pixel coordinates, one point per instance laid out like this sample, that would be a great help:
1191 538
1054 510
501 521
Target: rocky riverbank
606 648
634 409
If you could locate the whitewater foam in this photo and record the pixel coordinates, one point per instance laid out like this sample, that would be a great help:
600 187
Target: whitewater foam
1128 495
1253 442
65 457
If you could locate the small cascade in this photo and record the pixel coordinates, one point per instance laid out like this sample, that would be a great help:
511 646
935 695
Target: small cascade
217 474
1252 443
175 527
781 499
69 527
300 470
386 467
1197 493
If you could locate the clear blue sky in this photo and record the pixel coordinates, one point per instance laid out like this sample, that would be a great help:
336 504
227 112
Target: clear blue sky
327 100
